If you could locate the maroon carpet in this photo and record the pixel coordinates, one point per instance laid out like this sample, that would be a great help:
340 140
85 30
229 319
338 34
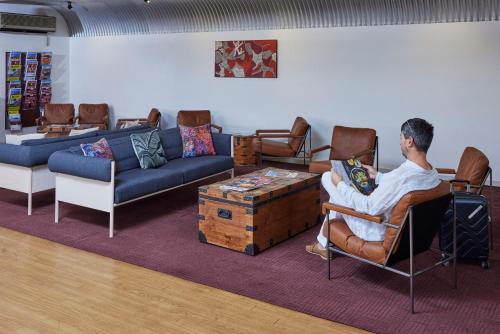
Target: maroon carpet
160 233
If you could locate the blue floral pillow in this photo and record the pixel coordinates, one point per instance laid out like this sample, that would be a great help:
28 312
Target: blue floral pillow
148 149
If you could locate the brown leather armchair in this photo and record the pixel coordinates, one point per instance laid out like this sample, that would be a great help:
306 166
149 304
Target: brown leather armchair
413 224
473 171
296 144
57 114
347 143
93 115
194 118
153 120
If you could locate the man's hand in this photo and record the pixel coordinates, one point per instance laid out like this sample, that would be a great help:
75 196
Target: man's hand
372 172
336 178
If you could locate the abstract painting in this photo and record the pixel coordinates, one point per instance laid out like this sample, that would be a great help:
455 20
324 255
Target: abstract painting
246 59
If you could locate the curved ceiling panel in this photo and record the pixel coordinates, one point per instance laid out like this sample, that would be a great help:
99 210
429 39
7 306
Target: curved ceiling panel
118 17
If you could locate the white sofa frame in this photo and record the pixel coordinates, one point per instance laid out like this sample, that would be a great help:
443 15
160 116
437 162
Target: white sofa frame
100 195
28 180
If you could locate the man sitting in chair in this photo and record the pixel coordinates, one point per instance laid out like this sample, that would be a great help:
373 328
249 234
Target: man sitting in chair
416 173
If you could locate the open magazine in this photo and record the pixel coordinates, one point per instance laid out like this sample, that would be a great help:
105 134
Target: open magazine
354 174
246 183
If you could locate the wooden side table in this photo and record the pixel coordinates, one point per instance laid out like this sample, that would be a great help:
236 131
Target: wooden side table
244 154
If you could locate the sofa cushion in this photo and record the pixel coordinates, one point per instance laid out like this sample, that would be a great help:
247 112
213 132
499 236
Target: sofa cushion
199 167
148 149
138 182
196 141
172 143
99 149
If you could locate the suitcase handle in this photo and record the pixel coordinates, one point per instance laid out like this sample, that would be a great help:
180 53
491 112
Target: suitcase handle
224 213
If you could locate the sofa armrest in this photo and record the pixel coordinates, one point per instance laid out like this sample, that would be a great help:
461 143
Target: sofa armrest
222 143
66 162
350 212
18 155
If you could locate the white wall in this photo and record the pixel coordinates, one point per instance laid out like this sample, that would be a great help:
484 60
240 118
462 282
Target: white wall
57 42
374 77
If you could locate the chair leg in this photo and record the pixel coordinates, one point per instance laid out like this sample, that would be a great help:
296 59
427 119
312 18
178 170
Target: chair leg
329 252
56 220
111 222
454 245
412 297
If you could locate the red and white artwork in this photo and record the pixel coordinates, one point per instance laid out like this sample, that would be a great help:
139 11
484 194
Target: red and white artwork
246 59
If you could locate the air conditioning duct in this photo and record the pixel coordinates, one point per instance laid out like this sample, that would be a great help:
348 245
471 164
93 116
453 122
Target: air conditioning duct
27 23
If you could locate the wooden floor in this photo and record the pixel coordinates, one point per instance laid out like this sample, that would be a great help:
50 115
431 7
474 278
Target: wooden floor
46 287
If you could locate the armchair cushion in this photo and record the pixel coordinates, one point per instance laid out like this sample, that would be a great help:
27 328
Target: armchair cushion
299 128
93 113
59 113
342 237
472 167
273 148
398 213
194 118
348 141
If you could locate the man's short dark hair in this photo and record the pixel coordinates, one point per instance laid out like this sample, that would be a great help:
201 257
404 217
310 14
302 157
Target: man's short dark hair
421 131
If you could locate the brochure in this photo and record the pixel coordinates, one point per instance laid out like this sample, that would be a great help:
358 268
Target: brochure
246 183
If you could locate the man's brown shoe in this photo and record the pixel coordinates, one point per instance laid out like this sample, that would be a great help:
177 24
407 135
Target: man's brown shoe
317 249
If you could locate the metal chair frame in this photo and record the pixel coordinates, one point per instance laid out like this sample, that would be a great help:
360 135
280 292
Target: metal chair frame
302 147
412 273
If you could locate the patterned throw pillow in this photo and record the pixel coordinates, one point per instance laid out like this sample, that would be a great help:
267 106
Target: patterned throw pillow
148 149
196 141
99 149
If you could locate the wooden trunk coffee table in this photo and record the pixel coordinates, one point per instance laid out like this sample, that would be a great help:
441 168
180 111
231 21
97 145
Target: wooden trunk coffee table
252 221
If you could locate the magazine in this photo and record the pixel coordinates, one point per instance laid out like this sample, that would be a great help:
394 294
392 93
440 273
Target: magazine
354 174
246 183
287 174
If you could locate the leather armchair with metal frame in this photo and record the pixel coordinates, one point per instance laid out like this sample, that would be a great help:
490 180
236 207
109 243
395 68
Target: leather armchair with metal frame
93 115
57 114
347 143
264 145
472 172
153 120
194 118
412 227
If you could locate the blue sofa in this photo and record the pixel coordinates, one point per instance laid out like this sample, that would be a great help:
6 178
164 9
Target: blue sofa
24 167
104 184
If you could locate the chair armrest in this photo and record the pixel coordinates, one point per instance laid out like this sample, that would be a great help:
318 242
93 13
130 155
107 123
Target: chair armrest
446 171
278 136
350 212
121 120
318 149
219 128
271 131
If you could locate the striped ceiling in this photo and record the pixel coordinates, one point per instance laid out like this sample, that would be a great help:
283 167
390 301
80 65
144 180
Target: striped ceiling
118 17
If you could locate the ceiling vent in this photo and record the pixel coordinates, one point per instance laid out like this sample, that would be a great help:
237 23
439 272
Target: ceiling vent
27 23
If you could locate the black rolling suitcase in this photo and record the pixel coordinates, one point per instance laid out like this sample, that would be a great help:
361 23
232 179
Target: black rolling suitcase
473 228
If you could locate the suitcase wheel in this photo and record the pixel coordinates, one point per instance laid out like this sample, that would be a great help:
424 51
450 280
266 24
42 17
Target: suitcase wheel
485 264
447 263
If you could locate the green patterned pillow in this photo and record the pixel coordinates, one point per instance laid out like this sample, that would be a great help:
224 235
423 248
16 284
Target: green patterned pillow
148 149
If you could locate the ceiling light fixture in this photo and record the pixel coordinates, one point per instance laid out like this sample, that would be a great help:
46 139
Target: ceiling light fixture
70 5
147 1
